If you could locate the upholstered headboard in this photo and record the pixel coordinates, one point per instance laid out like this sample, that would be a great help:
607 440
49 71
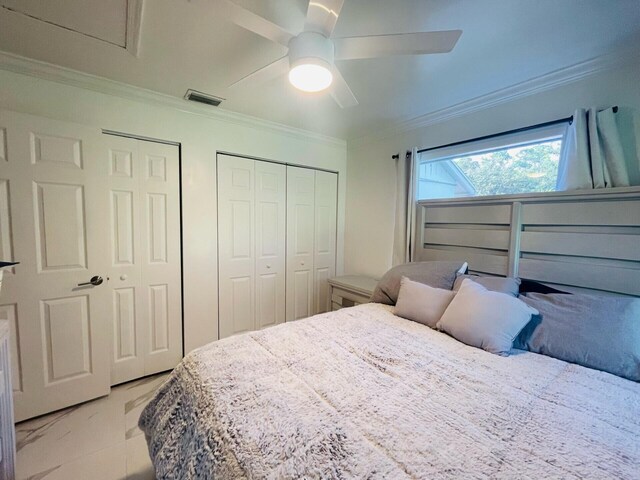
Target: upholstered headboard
574 240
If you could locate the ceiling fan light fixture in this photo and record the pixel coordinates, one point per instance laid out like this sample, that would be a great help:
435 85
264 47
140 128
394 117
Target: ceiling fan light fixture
312 53
311 75
310 62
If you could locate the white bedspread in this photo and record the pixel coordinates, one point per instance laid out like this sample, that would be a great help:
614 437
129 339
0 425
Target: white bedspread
361 393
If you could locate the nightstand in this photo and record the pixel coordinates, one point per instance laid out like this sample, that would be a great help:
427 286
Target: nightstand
350 290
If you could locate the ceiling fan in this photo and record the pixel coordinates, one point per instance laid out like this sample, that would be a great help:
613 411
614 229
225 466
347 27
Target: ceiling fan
312 52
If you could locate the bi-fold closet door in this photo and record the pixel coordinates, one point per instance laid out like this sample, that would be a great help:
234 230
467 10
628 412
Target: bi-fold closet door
76 205
251 244
311 240
276 242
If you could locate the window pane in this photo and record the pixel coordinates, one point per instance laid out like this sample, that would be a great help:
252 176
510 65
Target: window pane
510 170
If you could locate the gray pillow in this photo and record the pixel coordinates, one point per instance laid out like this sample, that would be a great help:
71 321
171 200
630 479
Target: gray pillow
422 303
485 319
508 285
438 274
593 331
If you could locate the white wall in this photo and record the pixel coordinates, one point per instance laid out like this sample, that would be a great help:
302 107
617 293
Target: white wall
200 136
371 171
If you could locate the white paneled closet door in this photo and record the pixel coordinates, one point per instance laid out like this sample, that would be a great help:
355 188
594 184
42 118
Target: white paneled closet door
236 256
161 283
53 211
145 266
270 203
300 241
94 221
324 261
251 239
311 240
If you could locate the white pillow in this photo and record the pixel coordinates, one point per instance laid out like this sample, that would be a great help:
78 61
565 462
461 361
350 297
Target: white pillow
485 319
422 303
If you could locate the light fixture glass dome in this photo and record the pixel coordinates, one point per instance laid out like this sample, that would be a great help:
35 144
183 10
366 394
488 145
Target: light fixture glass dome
310 76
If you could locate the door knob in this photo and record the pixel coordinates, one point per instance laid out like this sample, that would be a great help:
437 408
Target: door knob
95 281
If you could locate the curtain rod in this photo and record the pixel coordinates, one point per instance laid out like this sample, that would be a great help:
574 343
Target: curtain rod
516 130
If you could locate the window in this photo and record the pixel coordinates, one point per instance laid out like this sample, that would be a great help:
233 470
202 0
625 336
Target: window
513 163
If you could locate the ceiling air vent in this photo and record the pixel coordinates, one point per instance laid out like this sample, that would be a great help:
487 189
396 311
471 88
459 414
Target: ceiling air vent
200 97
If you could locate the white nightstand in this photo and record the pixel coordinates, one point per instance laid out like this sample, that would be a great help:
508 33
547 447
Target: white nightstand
350 290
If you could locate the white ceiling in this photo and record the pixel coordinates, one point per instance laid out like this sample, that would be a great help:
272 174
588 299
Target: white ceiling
105 20
188 44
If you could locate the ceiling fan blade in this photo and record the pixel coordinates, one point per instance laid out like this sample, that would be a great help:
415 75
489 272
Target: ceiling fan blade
322 16
255 23
341 92
398 44
264 74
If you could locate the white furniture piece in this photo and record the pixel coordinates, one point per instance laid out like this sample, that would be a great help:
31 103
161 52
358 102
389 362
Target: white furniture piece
7 431
351 290
276 242
95 220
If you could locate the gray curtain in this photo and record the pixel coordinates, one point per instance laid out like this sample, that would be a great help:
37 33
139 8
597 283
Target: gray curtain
600 150
405 208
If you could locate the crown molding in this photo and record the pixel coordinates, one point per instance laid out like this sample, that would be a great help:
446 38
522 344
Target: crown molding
47 71
548 81
43 70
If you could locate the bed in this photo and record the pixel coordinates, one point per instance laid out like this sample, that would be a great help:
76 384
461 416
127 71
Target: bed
362 393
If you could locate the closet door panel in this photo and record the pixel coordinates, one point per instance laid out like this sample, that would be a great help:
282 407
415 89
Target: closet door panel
145 270
54 221
129 327
160 292
236 234
270 250
326 191
300 242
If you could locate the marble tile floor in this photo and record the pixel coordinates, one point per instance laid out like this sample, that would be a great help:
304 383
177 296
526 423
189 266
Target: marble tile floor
97 440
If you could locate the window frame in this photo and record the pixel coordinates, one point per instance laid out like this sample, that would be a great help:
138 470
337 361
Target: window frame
512 139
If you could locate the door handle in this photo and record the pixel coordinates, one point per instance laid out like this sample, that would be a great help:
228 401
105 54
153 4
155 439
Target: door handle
95 281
